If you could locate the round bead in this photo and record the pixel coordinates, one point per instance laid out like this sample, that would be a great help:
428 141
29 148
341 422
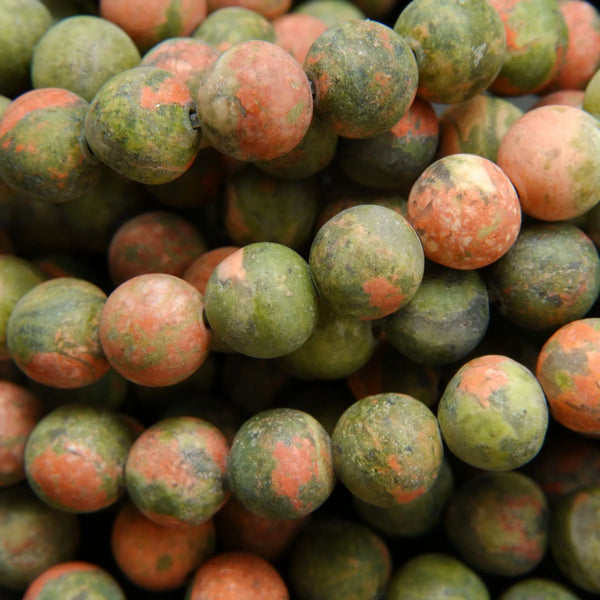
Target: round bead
80 53
280 464
499 523
465 210
175 471
261 301
459 46
568 368
552 156
360 59
152 330
366 261
75 458
255 102
493 413
43 153
387 449
52 333
139 125
550 276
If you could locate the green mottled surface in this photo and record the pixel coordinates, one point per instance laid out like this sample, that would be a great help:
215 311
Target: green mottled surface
147 145
338 559
493 414
280 464
255 102
459 46
436 575
415 518
81 584
267 307
80 53
477 125
387 449
227 26
360 59
498 523
445 319
537 588
17 277
264 208
22 24
337 346
59 316
70 428
575 538
362 245
33 536
551 276
194 489
537 38
44 155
